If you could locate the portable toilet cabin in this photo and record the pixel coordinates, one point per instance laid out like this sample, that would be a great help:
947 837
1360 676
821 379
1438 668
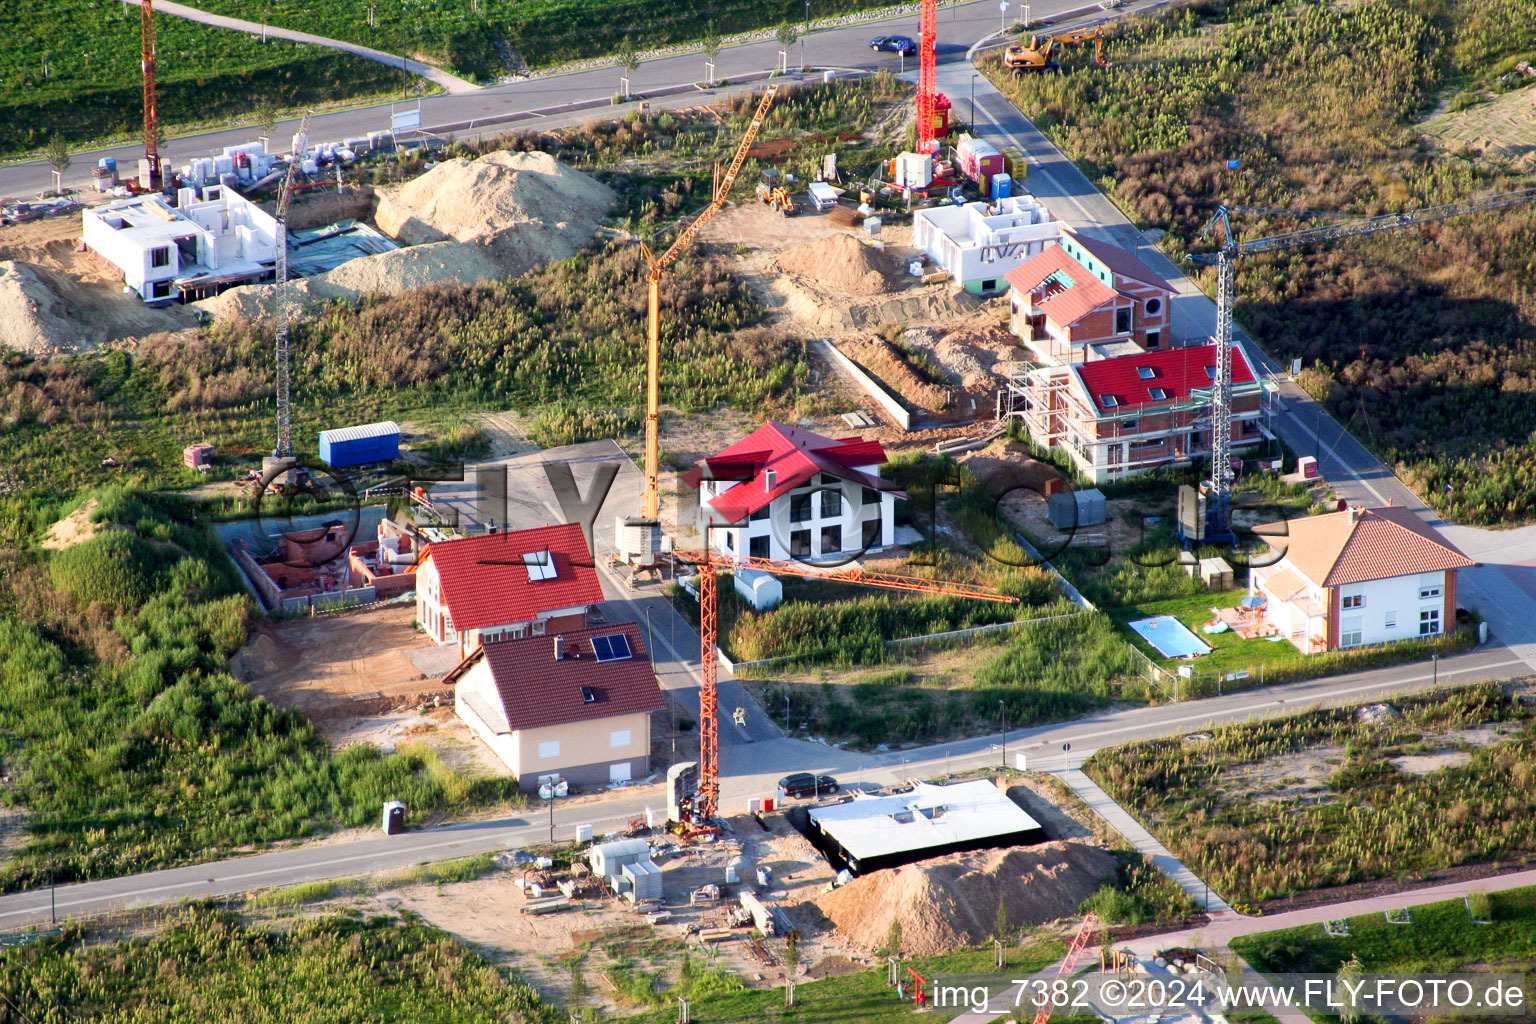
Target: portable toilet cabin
357 446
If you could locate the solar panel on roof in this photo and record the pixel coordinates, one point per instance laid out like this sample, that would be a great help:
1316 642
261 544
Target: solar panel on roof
613 647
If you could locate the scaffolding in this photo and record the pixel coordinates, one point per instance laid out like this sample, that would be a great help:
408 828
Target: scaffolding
1055 416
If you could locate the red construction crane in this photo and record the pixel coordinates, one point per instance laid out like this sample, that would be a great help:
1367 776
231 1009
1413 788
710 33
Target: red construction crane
1069 963
151 117
709 698
927 78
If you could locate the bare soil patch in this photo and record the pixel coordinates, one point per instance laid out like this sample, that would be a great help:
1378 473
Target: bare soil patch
1304 773
1425 764
320 665
1504 127
884 361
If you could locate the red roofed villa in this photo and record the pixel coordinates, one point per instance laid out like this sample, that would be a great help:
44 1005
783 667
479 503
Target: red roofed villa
1126 415
525 582
572 706
782 493
1361 576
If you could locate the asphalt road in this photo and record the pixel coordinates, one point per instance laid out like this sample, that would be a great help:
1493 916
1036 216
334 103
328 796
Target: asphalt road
561 99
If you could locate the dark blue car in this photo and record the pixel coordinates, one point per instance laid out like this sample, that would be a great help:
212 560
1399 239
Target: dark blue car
894 44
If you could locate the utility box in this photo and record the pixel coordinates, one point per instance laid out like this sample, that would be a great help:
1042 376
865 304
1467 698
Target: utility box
914 170
394 817
1071 509
358 446
1307 467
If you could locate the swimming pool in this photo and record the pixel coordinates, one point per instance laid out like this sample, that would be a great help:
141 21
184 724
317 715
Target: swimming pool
1170 636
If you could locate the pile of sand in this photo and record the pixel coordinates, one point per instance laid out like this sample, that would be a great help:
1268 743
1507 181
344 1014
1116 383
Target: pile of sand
841 263
949 902
33 318
529 206
75 528
969 355
464 221
388 273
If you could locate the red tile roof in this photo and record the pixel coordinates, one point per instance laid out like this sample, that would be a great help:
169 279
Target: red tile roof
537 690
1337 549
795 456
485 581
1122 261
1070 305
1178 371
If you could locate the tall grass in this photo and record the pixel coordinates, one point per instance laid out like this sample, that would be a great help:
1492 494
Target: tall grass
130 746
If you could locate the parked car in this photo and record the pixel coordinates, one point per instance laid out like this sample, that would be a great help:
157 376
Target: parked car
806 784
894 44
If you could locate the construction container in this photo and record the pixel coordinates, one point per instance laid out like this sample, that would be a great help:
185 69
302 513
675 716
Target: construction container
1307 467
198 456
643 880
979 160
583 833
1077 508
608 859
357 446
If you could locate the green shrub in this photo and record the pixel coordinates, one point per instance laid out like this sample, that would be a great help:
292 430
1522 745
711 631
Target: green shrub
114 569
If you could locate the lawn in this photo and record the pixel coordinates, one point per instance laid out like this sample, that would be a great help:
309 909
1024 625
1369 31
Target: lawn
1440 938
71 68
1235 663
1273 808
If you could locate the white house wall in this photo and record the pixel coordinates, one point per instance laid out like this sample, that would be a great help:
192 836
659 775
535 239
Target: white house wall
777 528
1390 600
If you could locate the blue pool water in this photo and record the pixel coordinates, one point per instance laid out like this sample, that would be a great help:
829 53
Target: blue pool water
1170 636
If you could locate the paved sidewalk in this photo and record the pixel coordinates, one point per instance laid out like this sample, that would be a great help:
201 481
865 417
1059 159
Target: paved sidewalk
1136 834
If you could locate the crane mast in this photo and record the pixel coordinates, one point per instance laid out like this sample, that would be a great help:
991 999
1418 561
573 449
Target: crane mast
650 500
1219 501
927 77
151 115
284 448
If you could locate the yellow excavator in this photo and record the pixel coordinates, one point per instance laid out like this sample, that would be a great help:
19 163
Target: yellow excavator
771 190
1039 55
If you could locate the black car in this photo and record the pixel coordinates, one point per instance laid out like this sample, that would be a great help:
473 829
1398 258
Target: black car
806 784
894 44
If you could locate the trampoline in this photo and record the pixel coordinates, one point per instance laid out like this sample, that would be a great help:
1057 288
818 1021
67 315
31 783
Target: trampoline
1171 637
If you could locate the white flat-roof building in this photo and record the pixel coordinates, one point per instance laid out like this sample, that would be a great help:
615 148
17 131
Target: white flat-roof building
195 245
978 243
871 832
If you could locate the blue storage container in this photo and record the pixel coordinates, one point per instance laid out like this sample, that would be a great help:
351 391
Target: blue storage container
358 446
107 163
1002 186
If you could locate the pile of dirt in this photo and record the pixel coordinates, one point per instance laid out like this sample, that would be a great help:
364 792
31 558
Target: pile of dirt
33 317
949 902
529 207
841 263
969 355
886 362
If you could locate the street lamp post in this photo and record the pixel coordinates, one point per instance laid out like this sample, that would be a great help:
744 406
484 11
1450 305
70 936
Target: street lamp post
1002 16
973 100
649 647
1002 713
551 815
804 31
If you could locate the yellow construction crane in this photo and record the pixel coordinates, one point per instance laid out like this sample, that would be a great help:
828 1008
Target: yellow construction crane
650 504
